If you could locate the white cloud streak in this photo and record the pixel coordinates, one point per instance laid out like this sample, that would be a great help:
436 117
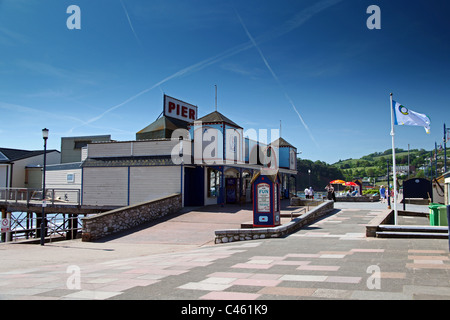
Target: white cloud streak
131 24
276 79
299 19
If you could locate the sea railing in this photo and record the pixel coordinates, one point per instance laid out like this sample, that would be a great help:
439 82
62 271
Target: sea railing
26 226
34 196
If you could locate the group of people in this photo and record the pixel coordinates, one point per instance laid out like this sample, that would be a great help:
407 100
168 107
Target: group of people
309 193
384 194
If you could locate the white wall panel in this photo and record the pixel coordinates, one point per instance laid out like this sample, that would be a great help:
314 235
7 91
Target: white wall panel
105 186
148 183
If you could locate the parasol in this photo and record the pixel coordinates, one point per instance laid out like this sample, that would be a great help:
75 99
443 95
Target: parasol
349 183
337 182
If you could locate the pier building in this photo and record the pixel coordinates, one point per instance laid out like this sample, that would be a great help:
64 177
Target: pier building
202 161
209 160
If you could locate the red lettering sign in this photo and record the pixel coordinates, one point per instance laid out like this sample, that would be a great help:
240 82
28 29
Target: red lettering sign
179 109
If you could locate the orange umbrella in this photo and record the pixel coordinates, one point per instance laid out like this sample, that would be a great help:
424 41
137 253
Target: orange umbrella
337 182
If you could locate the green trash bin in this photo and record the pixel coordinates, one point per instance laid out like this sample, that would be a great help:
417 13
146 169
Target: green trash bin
434 214
443 215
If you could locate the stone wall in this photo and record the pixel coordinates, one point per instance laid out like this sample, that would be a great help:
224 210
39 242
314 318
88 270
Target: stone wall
224 236
358 199
110 222
297 201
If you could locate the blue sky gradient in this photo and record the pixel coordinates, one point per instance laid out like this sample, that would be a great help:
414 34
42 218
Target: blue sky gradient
314 65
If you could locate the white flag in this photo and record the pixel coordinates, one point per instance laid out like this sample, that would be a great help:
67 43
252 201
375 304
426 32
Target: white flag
403 116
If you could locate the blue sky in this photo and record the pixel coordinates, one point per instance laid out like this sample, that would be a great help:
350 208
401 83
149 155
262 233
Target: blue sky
314 65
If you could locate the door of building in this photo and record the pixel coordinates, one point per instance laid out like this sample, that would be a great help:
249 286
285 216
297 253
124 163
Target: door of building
231 189
194 186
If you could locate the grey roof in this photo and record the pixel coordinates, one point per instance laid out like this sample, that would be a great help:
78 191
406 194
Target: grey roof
217 117
10 155
283 143
64 166
164 123
129 161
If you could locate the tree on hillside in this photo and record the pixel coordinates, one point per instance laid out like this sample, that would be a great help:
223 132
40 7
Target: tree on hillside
321 173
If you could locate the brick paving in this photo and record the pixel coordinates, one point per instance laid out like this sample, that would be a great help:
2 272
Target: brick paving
329 259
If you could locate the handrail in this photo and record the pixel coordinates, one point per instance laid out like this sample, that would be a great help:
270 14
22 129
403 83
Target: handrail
297 212
58 195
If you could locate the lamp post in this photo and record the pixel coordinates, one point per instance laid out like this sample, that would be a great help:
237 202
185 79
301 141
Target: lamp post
45 137
309 177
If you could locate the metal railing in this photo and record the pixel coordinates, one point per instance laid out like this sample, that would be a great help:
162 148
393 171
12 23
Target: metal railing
34 196
26 226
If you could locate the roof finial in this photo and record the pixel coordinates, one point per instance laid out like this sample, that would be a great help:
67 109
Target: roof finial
216 96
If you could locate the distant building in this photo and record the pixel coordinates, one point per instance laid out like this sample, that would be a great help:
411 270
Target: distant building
23 168
71 147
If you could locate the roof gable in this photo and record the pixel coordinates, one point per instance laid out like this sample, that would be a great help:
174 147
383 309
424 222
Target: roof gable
18 154
283 143
217 117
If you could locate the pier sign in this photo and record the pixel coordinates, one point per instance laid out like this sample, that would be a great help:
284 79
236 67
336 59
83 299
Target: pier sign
180 110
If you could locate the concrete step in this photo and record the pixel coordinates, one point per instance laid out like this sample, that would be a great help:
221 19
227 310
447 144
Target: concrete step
408 228
404 234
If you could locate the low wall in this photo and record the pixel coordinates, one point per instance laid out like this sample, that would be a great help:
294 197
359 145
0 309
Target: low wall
224 236
110 222
297 201
358 199
386 218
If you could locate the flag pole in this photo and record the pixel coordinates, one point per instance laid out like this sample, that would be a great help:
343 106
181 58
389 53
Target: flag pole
394 164
445 149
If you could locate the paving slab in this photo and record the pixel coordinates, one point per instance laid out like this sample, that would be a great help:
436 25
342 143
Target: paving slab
329 259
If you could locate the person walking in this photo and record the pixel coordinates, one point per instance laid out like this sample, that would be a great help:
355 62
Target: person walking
330 192
311 193
383 194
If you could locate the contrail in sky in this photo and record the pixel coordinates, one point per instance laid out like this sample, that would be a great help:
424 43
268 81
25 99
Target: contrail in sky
299 19
276 79
131 25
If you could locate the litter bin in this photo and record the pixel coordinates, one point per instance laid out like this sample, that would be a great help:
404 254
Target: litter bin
443 215
434 214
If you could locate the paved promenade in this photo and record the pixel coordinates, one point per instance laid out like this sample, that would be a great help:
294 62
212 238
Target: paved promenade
330 259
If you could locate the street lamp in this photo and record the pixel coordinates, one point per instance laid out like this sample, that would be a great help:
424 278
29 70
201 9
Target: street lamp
45 137
309 177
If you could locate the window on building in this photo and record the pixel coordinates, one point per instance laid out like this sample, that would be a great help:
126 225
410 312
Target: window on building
213 183
70 178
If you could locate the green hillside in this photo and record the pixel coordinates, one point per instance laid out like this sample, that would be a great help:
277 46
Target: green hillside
319 175
373 165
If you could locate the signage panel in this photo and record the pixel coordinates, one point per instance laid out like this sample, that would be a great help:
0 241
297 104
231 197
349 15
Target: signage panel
178 109
263 194
6 225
